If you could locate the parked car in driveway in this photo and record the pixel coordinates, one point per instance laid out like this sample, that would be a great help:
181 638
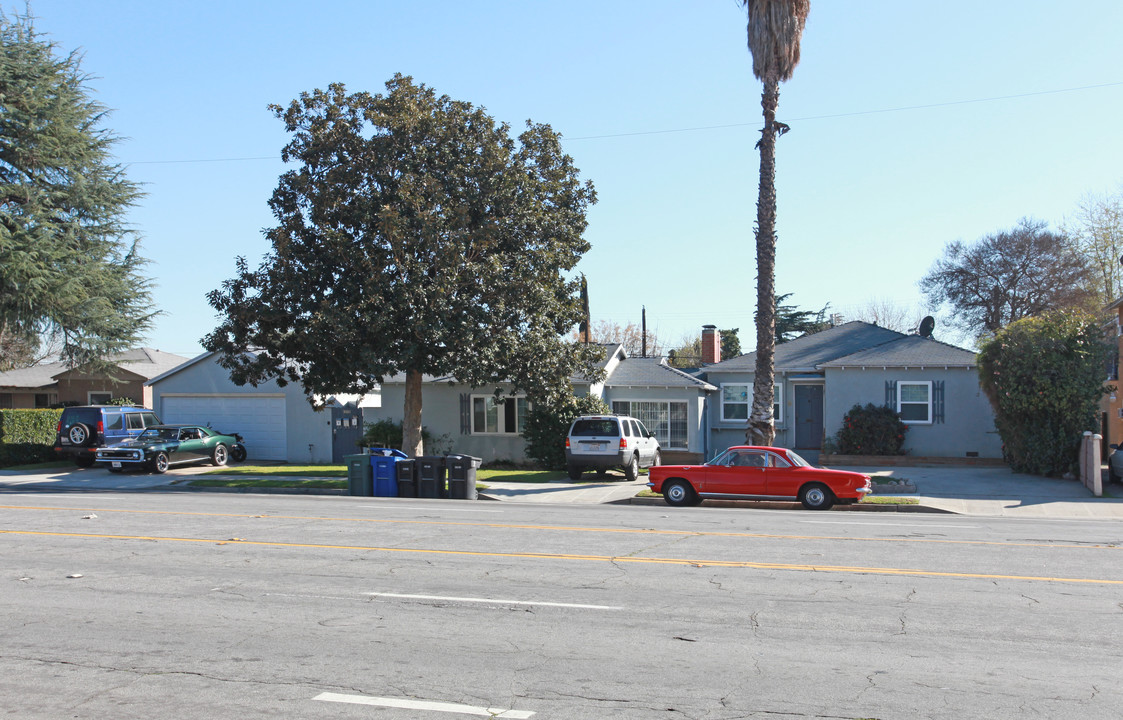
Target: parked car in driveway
82 429
758 473
600 442
163 446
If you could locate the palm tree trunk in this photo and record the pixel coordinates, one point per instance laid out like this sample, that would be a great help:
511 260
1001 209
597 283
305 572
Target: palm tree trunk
761 429
411 425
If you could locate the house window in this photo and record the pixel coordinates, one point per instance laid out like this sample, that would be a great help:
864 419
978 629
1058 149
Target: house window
665 418
914 401
42 400
99 398
507 416
6 400
737 398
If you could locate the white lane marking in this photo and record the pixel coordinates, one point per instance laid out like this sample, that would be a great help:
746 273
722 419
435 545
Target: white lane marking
430 508
496 601
863 524
425 705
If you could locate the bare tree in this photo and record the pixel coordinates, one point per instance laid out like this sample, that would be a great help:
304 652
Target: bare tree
1097 230
888 313
1007 276
630 336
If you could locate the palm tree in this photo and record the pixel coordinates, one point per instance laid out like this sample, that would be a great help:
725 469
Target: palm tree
774 29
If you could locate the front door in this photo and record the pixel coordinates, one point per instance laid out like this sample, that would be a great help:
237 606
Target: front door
808 417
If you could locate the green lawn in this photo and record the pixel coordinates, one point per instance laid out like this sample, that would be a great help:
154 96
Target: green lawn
262 482
323 476
327 471
54 464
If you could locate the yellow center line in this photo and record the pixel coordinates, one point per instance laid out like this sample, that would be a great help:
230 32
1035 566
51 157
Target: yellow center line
573 528
590 558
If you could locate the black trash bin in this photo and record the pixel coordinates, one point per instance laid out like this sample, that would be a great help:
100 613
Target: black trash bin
360 478
462 476
407 477
431 477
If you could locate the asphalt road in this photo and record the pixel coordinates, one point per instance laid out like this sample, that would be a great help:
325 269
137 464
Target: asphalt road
219 606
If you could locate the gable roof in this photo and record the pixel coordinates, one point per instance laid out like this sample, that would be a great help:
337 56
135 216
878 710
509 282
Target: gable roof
809 352
144 362
652 372
909 351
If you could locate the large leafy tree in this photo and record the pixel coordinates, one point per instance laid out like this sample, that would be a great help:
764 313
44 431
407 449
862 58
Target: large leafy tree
1007 276
774 30
414 236
791 322
69 266
1045 377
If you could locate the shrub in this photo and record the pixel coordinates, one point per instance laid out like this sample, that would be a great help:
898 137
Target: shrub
871 430
25 454
547 427
29 426
1044 377
388 434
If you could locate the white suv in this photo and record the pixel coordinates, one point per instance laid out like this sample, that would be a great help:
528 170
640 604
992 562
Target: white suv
600 442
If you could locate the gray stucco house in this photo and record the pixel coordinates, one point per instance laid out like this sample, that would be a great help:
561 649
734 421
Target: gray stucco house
469 420
277 423
819 377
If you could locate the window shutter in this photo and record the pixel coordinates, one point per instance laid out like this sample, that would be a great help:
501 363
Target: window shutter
891 394
938 401
465 414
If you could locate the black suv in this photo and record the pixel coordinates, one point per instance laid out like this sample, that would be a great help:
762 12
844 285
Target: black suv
85 428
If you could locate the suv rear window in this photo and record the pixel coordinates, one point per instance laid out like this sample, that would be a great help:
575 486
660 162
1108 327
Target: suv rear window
86 415
589 428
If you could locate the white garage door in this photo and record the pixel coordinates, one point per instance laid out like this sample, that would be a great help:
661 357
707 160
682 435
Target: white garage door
259 420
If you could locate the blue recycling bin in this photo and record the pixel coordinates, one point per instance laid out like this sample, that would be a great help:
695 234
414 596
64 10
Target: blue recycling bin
383 463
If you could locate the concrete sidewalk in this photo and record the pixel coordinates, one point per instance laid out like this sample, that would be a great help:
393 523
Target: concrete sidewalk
981 491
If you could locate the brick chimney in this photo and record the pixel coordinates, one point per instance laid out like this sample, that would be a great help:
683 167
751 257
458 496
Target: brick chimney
711 345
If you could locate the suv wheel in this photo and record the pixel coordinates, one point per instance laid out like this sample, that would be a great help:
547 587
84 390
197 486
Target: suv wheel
631 470
84 461
574 472
79 434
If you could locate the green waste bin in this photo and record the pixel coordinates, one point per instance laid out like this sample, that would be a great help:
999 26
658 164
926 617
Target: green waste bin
360 476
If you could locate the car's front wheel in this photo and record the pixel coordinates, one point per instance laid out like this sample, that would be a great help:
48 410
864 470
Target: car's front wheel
220 455
816 497
631 470
237 452
678 493
159 463
657 459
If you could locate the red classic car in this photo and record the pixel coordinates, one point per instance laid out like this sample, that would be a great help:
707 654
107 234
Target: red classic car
758 473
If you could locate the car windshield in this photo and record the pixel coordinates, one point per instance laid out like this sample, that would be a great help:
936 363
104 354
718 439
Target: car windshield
159 434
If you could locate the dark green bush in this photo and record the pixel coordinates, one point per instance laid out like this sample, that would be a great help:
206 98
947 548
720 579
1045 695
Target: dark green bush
871 430
388 434
25 454
29 426
547 427
1045 377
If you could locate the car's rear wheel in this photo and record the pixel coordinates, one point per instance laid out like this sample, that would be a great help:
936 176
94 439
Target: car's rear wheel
79 434
631 470
84 461
159 463
816 497
679 493
574 472
220 455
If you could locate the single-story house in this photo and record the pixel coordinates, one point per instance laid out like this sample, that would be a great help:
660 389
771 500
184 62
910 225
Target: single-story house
471 421
42 386
277 423
819 377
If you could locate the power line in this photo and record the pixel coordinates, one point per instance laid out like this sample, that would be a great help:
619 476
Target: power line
699 128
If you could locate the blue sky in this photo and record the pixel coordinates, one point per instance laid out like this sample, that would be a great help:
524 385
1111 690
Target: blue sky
913 125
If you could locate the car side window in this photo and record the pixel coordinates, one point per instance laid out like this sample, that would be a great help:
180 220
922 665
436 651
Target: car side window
776 461
747 459
150 419
113 421
641 429
628 429
134 421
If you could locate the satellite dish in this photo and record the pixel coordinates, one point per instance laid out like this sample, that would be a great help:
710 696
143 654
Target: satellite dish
927 325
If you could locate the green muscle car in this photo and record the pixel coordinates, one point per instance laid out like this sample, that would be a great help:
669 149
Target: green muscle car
162 446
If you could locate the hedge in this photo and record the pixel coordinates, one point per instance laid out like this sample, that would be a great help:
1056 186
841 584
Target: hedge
29 426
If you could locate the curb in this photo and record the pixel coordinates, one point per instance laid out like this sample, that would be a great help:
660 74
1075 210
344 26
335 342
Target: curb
775 505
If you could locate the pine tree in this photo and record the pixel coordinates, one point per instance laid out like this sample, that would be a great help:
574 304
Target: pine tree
69 266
